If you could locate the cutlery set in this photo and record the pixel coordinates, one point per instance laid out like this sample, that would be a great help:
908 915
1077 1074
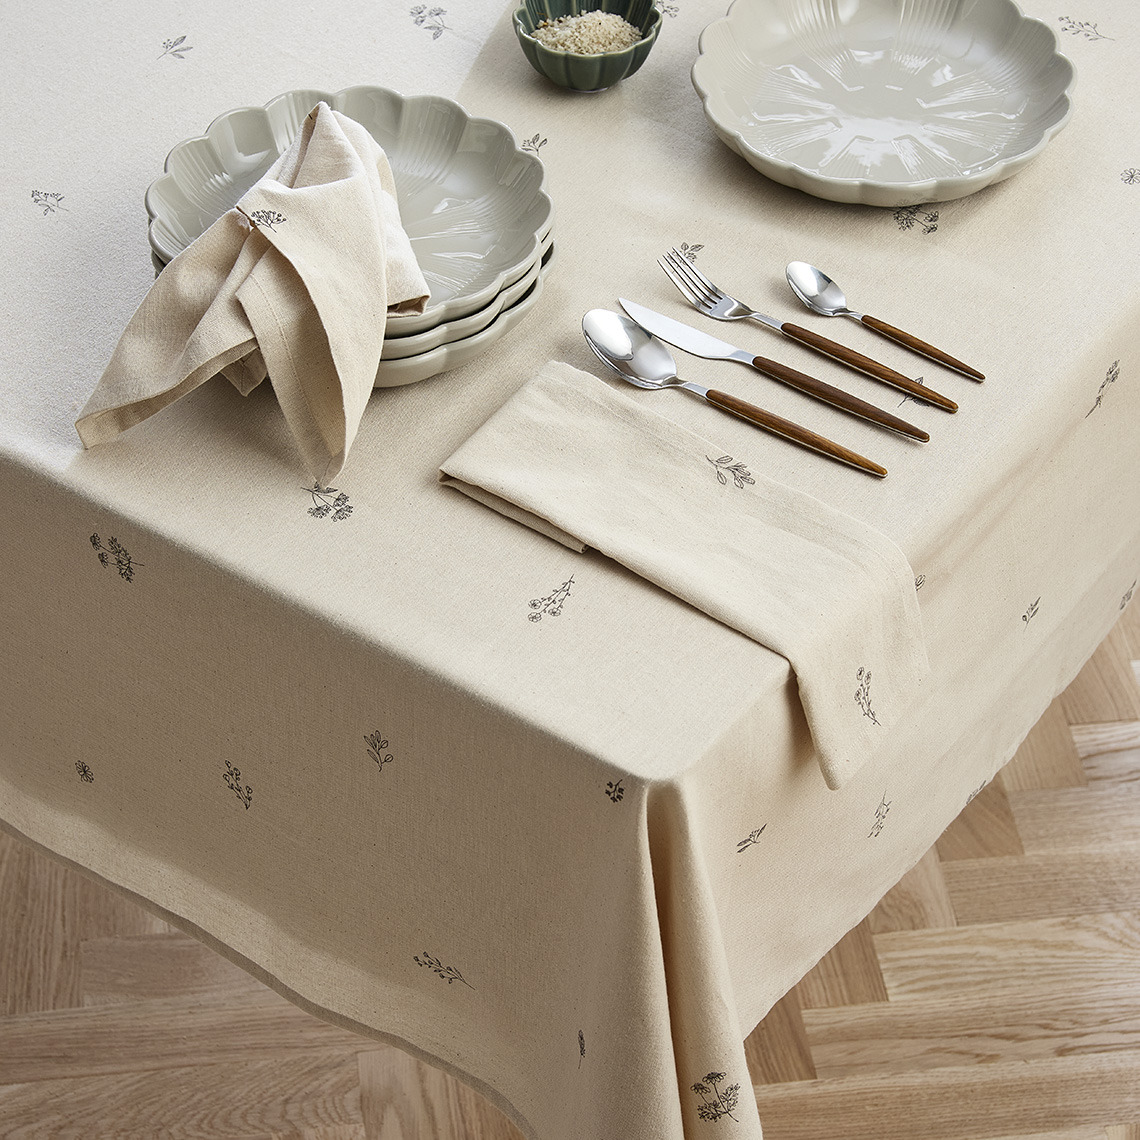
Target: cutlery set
632 346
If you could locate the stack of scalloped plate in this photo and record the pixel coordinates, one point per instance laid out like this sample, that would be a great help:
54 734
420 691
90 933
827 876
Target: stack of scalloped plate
472 202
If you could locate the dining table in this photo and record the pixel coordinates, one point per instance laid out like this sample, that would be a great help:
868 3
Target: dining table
517 805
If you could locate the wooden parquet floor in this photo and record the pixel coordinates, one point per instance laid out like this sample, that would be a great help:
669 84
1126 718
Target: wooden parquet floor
994 993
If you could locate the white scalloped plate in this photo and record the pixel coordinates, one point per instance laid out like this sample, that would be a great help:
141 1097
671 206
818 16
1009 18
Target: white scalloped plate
885 102
473 203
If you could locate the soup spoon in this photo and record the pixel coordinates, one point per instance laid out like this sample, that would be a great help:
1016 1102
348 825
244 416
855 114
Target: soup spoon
823 296
642 359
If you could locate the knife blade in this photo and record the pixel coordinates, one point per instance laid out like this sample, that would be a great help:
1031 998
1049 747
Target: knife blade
699 343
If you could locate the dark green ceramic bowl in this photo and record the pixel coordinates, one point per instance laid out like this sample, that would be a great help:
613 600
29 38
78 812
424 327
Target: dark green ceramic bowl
587 72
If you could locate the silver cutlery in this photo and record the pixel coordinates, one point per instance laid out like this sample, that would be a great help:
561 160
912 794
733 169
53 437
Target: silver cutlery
702 294
823 296
692 340
643 360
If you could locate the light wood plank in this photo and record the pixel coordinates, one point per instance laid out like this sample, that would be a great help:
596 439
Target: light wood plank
917 902
1105 689
957 1104
976 1029
403 1099
848 975
1116 736
777 1049
162 1034
1121 769
1077 819
115 970
1031 957
1044 885
1090 1132
984 828
1123 1132
1047 757
237 1101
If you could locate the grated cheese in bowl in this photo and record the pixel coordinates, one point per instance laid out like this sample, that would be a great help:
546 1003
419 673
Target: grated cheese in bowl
591 33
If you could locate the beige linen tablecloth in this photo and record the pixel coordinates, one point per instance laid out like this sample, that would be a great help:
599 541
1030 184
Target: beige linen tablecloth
439 776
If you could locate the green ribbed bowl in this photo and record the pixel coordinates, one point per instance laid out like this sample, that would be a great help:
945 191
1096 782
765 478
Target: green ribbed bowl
587 72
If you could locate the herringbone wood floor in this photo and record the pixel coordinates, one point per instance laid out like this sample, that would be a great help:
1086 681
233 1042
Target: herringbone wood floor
994 993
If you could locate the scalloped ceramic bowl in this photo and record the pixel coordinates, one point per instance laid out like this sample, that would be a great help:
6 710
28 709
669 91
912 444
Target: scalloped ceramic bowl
586 72
473 203
884 102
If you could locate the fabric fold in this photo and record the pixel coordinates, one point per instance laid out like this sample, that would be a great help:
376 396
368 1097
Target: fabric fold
295 282
588 466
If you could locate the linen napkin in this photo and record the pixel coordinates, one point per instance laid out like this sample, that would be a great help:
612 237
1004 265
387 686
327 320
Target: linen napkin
296 280
590 467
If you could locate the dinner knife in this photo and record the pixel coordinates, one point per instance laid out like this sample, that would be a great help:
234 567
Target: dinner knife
702 344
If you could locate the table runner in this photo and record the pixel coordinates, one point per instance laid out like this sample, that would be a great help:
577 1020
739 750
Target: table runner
318 741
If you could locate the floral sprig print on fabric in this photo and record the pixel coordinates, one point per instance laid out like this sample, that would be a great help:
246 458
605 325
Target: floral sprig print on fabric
908 217
750 840
740 474
863 695
177 48
551 605
1110 377
880 817
976 792
430 18
114 553
1128 595
378 749
326 505
534 144
581 1048
689 252
615 791
48 202
919 582
267 219
716 1102
232 776
907 398
1131 176
668 9
1031 613
1087 29
448 973
85 773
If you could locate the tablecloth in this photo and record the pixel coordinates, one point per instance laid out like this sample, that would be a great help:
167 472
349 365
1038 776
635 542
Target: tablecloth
430 772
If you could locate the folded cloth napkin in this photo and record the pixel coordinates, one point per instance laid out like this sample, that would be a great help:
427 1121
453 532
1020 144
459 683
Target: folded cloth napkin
590 467
297 280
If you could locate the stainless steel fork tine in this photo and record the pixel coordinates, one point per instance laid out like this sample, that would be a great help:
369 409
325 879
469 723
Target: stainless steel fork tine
684 287
698 283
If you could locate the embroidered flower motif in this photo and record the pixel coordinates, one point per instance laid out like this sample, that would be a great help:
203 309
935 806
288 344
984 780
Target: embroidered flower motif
689 252
615 791
49 203
377 749
668 9
919 582
85 773
114 550
908 217
740 474
1111 376
177 48
551 605
1131 176
232 776
448 973
267 218
863 695
1085 28
742 845
325 505
880 817
908 396
430 18
581 1047
1031 613
534 144
715 1102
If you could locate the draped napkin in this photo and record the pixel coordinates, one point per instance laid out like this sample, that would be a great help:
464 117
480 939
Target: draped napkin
295 281
590 467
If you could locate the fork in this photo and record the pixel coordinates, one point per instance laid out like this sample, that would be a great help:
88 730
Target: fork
703 295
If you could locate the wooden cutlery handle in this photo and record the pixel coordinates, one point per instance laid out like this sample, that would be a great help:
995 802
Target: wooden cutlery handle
920 346
837 397
865 364
782 427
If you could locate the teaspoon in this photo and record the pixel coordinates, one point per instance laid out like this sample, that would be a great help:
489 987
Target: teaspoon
823 296
643 360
